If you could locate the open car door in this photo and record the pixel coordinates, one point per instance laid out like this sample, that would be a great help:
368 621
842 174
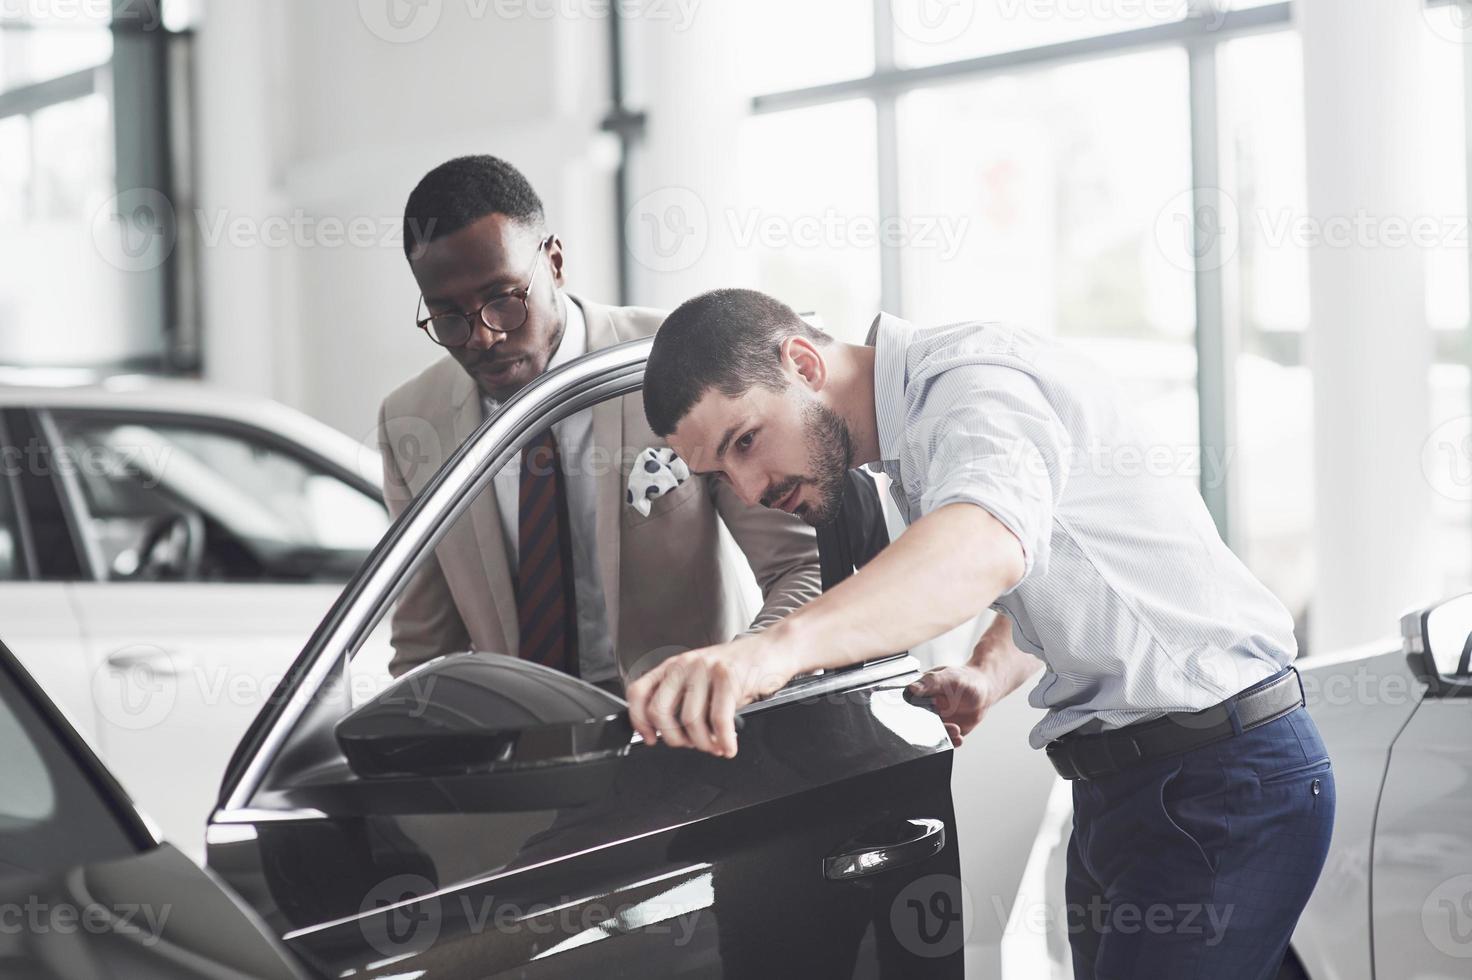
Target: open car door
484 816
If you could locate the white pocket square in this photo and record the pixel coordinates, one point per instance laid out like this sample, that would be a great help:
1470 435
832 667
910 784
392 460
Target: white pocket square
656 471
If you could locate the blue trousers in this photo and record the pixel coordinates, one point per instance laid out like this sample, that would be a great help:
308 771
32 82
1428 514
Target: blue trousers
1197 866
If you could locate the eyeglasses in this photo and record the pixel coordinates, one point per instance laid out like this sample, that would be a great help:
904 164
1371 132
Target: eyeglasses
503 313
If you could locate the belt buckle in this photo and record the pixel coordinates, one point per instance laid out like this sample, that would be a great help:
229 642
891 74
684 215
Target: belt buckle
1063 760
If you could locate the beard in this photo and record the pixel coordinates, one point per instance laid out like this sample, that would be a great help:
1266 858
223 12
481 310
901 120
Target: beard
830 457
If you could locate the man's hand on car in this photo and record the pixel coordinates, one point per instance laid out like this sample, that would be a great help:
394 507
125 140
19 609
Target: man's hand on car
691 700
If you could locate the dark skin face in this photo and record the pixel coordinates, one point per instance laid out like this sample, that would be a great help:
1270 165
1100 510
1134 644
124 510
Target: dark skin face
459 272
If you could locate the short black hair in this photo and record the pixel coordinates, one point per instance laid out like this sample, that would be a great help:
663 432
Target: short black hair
462 191
727 339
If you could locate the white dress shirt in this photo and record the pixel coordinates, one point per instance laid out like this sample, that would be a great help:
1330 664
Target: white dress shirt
574 443
1129 596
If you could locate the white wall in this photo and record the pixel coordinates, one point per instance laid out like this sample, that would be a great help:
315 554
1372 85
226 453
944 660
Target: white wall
316 116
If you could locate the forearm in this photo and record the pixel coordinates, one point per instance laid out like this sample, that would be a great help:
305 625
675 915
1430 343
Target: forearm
946 568
1001 659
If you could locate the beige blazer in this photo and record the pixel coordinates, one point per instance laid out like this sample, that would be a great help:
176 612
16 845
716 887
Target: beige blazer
664 580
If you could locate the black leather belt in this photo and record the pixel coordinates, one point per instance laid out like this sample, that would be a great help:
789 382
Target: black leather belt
1105 753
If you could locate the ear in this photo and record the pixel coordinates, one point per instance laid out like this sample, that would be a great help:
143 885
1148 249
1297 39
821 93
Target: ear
800 356
554 255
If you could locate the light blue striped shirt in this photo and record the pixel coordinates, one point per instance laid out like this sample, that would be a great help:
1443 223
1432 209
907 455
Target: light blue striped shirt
1129 597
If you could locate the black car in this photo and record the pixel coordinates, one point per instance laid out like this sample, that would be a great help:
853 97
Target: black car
86 890
484 817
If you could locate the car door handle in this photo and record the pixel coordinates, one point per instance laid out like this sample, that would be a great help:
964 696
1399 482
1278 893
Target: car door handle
912 841
162 663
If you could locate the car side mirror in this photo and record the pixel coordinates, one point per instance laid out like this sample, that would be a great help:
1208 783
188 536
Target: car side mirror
474 714
1438 643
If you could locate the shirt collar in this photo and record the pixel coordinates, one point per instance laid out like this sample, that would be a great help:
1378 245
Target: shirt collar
574 344
890 338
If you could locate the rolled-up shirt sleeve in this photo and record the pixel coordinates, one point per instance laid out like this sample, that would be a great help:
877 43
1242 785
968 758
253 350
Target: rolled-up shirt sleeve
986 434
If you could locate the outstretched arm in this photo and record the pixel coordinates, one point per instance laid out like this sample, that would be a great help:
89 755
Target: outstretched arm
944 569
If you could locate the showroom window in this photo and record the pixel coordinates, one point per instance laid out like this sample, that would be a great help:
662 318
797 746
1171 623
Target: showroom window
1045 164
1447 289
93 128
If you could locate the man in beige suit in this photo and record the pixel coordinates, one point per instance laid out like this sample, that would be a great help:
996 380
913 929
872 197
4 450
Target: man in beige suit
552 562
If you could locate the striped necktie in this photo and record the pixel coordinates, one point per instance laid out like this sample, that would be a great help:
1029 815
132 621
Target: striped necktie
546 603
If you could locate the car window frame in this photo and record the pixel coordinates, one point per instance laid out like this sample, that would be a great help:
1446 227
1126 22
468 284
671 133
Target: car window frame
28 556
596 377
50 485
74 500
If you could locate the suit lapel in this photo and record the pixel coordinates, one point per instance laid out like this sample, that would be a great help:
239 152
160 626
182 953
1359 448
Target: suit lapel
608 440
490 541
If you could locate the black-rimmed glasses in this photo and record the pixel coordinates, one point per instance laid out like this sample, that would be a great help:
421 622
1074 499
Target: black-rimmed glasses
502 313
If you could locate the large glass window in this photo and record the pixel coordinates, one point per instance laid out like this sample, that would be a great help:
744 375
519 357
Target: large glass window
87 232
787 45
1056 186
1040 195
1448 449
1266 312
810 214
929 32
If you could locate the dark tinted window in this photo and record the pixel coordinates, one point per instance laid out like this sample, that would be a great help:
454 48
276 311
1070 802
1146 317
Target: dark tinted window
52 816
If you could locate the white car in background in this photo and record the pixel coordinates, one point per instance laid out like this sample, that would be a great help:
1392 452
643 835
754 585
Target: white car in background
1395 897
165 550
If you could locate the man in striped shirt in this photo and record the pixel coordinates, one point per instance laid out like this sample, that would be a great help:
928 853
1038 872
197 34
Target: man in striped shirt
1203 796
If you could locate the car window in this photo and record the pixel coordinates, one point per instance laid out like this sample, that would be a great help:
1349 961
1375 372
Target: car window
51 815
187 502
12 562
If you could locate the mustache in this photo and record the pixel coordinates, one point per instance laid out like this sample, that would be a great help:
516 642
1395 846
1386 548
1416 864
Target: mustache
491 361
776 494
